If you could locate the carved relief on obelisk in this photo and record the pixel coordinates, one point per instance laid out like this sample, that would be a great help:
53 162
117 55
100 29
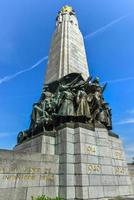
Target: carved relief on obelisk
67 52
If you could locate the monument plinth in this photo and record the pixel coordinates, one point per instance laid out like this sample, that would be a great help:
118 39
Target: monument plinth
69 148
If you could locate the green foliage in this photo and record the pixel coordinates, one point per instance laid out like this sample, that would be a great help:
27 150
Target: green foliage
43 197
119 198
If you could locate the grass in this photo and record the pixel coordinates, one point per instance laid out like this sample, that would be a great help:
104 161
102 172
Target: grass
43 197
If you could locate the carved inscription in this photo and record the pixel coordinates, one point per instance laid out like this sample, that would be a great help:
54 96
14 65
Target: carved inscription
47 178
18 177
35 170
131 174
91 150
93 168
46 174
120 170
28 177
118 155
25 170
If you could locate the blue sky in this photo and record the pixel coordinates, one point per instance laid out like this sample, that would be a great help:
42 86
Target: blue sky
25 37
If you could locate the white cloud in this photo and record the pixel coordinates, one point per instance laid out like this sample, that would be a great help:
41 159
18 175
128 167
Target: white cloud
10 77
120 80
6 134
125 121
107 26
104 28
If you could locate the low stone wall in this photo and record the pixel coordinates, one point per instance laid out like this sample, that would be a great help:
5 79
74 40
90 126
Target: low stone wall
23 175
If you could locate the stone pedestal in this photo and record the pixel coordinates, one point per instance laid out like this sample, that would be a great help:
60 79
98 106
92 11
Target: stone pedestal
92 164
75 162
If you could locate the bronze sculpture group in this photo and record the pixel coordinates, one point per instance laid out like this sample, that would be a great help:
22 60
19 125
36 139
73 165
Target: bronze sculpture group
70 99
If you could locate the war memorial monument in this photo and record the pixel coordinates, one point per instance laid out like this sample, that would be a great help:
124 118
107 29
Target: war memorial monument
69 149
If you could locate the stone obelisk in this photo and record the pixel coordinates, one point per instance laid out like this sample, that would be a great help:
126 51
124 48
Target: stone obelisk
67 52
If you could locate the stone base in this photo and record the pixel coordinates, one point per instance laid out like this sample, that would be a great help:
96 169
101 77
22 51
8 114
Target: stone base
76 162
43 143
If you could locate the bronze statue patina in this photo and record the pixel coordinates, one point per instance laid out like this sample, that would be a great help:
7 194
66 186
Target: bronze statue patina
69 99
83 109
66 103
